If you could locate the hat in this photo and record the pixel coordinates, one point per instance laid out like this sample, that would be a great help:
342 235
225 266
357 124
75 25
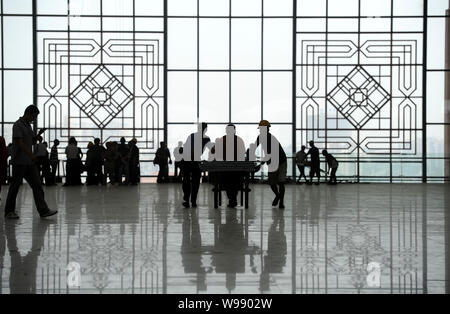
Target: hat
264 123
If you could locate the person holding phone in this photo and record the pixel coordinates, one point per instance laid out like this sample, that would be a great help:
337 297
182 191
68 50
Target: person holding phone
24 165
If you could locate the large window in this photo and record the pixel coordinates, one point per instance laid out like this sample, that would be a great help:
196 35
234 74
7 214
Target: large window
363 79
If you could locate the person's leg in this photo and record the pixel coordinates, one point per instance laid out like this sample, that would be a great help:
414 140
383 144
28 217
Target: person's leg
274 188
196 177
32 177
126 168
186 185
166 173
333 178
18 173
281 193
160 174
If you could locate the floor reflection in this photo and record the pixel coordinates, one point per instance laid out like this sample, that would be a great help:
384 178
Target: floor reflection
140 240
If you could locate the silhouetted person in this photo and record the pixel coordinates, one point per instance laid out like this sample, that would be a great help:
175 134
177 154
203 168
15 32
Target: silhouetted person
301 161
133 165
74 166
54 161
111 157
276 159
124 166
230 148
192 151
43 161
3 162
94 163
163 159
24 165
178 151
332 166
315 163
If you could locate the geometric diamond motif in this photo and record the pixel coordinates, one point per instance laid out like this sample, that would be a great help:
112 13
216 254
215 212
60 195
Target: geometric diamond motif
101 96
358 97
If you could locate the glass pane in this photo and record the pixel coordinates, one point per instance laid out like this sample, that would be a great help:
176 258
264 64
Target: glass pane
182 44
214 44
18 42
246 44
17 7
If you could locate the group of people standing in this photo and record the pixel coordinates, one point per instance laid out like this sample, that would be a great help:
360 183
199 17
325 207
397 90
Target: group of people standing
301 159
118 162
229 147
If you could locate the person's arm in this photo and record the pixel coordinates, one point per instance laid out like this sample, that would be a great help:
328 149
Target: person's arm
170 158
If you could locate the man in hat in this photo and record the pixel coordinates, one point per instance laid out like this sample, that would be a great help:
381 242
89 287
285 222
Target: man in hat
24 165
276 160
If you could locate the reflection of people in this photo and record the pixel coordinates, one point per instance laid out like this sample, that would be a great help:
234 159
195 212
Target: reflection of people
191 248
276 160
24 165
192 151
230 148
231 245
332 166
301 161
315 163
163 159
22 278
275 259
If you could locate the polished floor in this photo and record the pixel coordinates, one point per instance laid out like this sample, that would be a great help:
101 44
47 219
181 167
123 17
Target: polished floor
140 240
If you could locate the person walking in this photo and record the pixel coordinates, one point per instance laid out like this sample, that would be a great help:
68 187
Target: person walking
24 165
276 160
